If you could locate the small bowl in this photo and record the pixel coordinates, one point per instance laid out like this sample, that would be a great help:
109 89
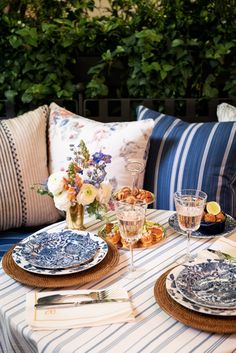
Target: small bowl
212 228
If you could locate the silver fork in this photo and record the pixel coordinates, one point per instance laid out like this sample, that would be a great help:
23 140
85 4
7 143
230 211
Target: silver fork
95 295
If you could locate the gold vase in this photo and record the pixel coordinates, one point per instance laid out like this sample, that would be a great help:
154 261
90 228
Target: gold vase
75 217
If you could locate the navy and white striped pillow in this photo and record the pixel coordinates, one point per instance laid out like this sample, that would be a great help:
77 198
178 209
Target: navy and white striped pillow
183 155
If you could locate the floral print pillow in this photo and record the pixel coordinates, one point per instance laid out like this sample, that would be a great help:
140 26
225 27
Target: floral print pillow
122 140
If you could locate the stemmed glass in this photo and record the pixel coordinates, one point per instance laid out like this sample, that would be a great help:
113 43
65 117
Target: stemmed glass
189 205
130 219
135 167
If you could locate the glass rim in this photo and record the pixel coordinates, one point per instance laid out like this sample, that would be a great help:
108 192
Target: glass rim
186 192
119 204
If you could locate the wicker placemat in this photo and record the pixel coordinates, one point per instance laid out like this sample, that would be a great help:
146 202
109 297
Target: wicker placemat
45 281
203 322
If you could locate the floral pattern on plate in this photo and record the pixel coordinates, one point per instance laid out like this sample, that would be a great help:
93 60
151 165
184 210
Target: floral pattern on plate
179 298
59 250
97 250
211 283
230 226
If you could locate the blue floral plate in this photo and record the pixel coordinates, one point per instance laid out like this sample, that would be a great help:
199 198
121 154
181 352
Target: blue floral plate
59 252
211 283
178 297
230 226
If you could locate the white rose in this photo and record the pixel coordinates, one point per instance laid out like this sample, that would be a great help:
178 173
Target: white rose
56 182
104 193
62 201
87 194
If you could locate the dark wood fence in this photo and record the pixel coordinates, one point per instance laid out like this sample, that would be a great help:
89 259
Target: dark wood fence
109 110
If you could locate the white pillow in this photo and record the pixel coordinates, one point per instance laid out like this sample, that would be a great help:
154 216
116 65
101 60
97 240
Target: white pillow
122 140
226 112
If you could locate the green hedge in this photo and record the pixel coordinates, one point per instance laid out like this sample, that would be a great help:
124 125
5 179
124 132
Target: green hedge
182 48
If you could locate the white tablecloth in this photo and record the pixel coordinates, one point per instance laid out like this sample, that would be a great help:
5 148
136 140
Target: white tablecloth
153 330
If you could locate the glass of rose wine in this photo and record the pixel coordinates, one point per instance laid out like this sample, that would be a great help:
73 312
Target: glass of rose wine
130 220
189 204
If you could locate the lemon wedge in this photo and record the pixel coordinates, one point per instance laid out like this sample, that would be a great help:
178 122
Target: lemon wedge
213 208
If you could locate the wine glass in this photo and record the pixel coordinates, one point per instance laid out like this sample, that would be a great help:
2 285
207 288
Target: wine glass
135 167
131 220
189 205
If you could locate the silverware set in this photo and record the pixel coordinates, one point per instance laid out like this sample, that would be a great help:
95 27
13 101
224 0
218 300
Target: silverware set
93 297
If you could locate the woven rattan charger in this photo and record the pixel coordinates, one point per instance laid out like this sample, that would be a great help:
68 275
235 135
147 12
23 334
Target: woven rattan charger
105 266
203 322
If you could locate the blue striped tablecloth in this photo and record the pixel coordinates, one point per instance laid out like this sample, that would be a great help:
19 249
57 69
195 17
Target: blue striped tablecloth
153 330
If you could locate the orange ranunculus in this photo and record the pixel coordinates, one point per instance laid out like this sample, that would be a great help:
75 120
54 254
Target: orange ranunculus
66 183
71 193
78 181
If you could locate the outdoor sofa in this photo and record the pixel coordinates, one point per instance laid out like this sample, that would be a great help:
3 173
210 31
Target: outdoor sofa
194 151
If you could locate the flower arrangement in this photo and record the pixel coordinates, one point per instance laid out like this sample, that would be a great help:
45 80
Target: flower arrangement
82 183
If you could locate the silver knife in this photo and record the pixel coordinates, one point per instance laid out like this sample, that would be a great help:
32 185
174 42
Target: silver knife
83 302
63 297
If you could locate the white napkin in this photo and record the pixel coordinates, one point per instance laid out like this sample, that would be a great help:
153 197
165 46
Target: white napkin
223 245
76 316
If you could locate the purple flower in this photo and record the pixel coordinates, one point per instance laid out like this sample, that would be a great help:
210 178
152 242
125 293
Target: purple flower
107 158
99 156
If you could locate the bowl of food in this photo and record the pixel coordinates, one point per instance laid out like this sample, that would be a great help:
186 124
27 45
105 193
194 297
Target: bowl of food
135 195
152 234
213 219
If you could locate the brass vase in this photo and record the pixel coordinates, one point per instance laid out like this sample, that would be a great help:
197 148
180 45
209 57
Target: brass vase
75 217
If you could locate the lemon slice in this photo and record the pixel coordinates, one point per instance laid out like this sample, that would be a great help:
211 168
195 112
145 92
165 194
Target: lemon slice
213 208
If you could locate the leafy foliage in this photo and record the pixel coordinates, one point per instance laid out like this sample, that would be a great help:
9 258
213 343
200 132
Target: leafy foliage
184 48
174 49
37 43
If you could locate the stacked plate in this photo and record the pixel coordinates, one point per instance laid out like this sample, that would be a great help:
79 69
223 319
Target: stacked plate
59 252
207 287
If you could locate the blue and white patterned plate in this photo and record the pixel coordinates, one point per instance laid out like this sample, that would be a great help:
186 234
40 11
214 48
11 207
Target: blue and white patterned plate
179 298
230 226
58 250
53 252
211 283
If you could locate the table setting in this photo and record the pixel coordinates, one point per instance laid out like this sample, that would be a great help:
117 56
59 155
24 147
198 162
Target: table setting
150 305
204 283
201 293
17 266
76 277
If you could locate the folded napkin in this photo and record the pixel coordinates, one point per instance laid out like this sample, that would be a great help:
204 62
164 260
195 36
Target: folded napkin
221 245
58 317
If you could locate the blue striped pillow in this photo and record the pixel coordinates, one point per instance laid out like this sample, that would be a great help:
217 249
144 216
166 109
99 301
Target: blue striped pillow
183 155
10 237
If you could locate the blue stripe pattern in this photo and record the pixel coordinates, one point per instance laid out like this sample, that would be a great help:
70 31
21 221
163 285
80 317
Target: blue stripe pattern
8 238
153 330
183 155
